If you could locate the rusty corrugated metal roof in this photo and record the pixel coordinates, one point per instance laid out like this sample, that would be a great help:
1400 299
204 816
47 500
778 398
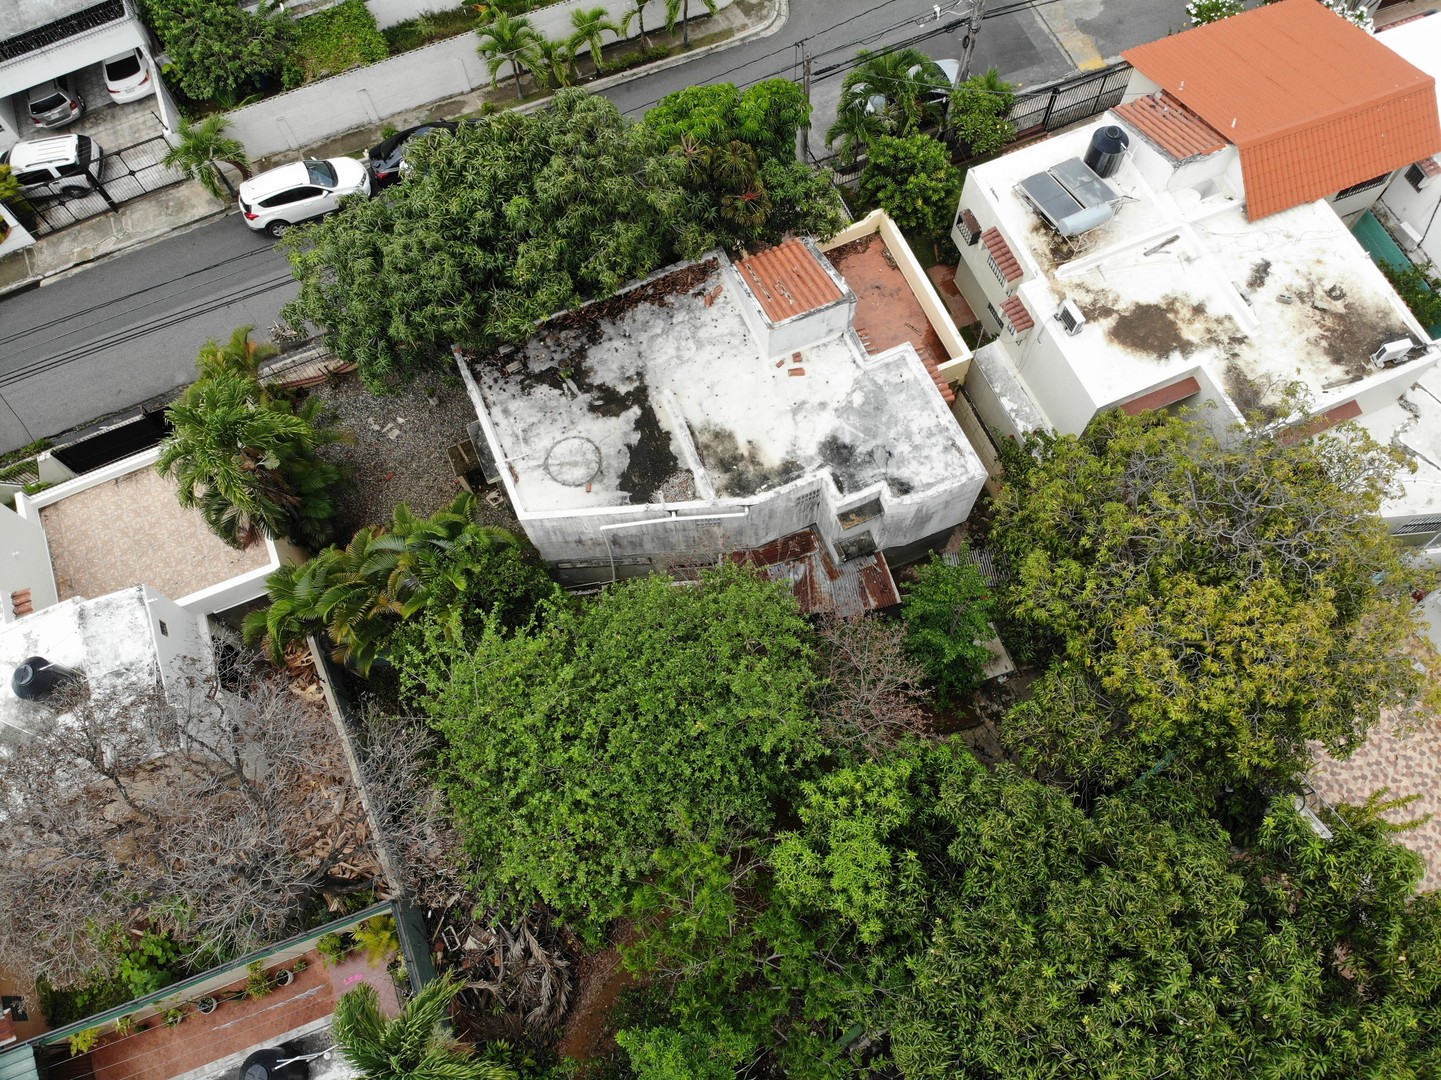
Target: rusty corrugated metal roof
1314 103
819 584
1171 126
787 280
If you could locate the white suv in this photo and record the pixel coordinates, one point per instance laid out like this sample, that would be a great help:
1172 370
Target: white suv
54 165
276 200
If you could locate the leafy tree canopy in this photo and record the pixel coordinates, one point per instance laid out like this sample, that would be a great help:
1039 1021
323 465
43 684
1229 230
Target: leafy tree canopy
498 226
913 180
948 617
1209 606
766 116
1009 934
218 50
654 712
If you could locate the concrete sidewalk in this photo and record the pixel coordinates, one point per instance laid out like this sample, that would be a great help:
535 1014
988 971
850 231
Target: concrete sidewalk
176 209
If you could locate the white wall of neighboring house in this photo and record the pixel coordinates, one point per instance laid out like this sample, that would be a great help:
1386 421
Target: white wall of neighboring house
1419 209
181 642
25 565
366 95
18 237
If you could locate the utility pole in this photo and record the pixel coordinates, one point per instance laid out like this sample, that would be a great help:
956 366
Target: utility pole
805 133
968 43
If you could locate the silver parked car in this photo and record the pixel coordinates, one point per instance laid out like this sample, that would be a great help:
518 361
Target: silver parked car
52 104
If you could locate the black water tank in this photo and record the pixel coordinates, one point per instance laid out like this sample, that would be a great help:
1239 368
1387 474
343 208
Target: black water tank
36 677
1108 147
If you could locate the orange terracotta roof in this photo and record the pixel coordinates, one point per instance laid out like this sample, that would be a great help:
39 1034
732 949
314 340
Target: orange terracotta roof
1002 253
788 280
1314 103
1016 314
1171 126
1159 399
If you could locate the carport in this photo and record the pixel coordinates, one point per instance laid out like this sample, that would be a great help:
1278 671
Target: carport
42 39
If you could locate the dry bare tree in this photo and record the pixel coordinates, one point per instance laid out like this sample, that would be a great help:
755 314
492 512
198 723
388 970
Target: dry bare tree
872 689
217 818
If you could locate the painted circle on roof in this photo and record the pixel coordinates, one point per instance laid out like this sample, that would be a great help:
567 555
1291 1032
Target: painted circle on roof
574 461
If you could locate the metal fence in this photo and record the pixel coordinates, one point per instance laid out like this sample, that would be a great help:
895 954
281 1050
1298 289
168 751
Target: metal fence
127 173
1050 108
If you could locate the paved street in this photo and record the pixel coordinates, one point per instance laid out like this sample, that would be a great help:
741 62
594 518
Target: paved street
124 330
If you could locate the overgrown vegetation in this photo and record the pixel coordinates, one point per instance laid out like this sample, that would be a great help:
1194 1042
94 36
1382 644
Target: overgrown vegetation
513 219
220 52
335 40
1420 289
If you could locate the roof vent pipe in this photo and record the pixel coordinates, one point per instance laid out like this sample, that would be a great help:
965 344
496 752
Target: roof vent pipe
1108 147
37 677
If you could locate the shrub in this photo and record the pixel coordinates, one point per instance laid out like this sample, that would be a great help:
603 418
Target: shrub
332 949
257 980
126 1025
82 1042
913 180
978 113
948 613
377 937
1209 11
430 26
335 40
173 1016
1421 291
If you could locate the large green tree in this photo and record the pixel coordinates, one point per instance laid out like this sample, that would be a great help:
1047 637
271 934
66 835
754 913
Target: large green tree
1206 606
1010 935
895 93
218 50
653 712
498 226
912 179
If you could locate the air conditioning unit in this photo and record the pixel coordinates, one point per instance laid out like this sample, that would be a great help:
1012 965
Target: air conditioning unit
1391 352
1071 317
1409 235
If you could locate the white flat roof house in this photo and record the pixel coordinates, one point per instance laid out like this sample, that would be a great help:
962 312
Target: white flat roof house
1130 264
43 39
718 408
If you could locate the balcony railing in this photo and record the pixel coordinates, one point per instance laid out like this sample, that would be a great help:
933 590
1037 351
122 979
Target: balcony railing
61 30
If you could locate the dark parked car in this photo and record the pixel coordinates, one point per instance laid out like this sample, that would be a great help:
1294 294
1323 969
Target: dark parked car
386 158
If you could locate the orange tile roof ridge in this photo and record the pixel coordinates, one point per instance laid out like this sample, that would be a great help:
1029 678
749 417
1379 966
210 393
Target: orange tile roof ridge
787 280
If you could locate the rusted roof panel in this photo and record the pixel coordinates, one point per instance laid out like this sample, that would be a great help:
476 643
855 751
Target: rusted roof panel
1001 252
1314 103
1159 399
787 280
1171 126
819 584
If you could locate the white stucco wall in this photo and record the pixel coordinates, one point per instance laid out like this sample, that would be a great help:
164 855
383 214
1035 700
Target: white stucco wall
25 565
1419 209
367 95
18 236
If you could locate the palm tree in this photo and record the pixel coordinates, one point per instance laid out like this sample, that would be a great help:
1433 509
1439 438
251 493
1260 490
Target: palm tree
360 592
239 356
555 62
888 94
590 24
508 38
199 150
413 1046
636 11
679 11
249 463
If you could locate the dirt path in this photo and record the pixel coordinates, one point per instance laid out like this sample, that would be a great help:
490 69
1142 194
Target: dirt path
601 977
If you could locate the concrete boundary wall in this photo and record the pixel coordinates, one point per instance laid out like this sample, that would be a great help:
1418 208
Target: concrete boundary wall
367 95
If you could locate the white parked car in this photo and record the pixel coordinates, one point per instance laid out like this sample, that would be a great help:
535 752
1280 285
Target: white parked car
279 198
127 76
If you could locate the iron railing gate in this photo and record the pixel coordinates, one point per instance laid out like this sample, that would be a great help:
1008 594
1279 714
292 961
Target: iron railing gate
1060 104
127 173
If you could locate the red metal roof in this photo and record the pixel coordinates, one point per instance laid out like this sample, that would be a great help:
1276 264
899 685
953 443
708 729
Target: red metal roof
1002 253
1314 103
1171 126
787 280
1016 314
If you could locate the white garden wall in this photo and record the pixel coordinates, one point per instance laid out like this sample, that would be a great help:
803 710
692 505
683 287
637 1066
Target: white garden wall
368 95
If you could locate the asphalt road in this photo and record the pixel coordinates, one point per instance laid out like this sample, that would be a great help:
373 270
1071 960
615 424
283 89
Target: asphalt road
124 330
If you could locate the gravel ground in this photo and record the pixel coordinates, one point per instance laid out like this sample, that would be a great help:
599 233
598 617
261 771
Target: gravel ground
399 453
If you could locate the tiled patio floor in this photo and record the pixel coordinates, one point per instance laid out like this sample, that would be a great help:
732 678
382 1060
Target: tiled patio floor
1406 764
887 312
132 531
239 1027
